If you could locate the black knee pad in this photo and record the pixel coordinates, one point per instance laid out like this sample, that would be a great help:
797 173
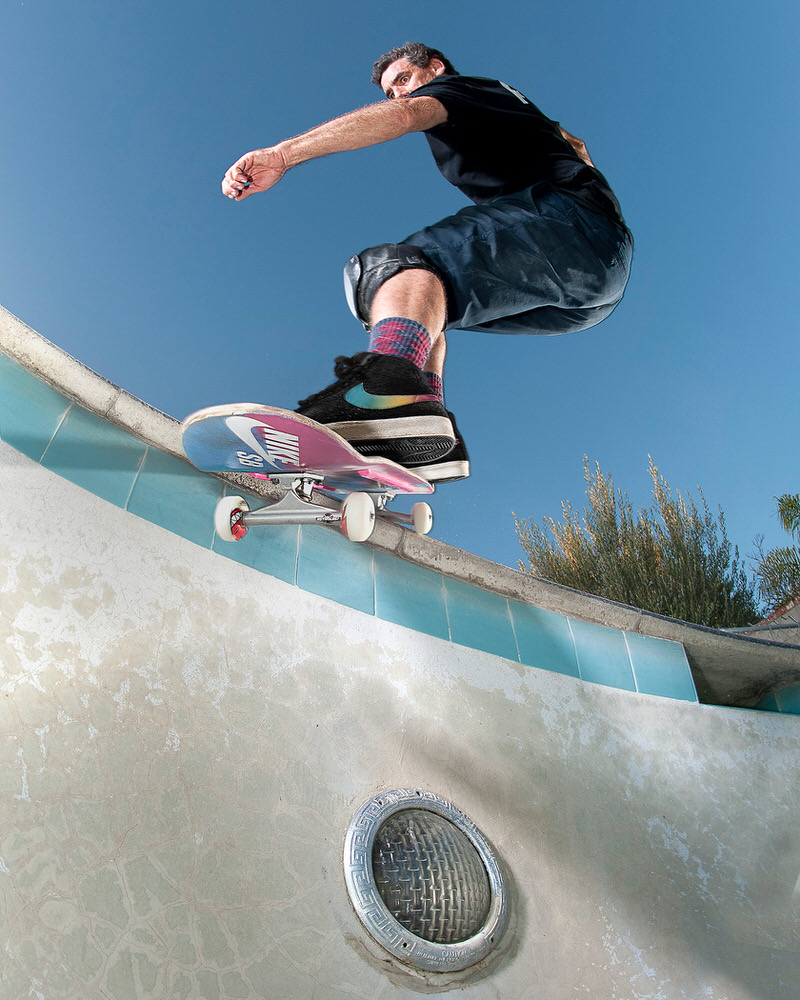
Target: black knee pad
365 272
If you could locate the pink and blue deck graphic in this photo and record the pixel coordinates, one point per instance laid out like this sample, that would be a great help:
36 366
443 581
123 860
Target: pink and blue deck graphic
265 441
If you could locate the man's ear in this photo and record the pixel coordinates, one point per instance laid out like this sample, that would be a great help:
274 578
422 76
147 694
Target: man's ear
436 65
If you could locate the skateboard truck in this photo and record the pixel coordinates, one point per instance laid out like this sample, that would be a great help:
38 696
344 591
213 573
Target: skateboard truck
357 514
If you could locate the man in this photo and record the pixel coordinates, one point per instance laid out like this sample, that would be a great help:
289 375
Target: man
543 250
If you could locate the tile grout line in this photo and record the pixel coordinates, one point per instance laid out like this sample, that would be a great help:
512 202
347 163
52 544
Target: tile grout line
59 425
136 477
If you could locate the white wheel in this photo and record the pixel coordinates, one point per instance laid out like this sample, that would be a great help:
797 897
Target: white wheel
358 516
423 518
227 518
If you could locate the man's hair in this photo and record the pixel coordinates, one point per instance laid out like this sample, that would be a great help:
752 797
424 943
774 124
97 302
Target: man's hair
416 53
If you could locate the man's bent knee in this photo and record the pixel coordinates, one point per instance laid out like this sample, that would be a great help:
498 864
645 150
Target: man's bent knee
365 272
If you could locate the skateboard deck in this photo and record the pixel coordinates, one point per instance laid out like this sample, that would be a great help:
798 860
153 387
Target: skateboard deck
300 455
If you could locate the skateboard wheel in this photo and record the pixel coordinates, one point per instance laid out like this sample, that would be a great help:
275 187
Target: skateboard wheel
422 518
358 516
228 518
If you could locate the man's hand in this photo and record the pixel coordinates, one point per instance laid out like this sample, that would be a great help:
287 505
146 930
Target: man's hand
256 171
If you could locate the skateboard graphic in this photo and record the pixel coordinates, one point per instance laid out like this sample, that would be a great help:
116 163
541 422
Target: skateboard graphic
300 456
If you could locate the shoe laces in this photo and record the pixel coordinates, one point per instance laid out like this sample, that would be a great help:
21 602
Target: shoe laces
342 366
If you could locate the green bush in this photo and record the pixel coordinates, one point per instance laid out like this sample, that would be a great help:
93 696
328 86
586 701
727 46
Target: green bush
673 559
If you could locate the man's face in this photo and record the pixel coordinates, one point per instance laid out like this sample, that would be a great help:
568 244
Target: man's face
401 77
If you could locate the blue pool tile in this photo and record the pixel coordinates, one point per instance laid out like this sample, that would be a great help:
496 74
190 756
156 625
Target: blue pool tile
331 566
30 411
411 596
544 639
268 548
789 699
92 453
602 655
769 704
480 619
660 667
172 494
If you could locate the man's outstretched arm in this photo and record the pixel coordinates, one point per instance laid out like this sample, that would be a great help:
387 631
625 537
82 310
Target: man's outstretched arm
261 169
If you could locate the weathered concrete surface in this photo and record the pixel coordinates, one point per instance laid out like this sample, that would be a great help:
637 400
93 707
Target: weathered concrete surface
728 669
184 742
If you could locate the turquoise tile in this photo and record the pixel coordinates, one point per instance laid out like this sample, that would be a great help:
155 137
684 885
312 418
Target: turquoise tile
172 494
602 655
789 699
660 667
409 595
769 704
544 639
480 619
30 411
331 566
94 454
269 548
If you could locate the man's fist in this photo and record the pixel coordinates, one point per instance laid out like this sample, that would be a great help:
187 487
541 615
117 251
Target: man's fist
256 171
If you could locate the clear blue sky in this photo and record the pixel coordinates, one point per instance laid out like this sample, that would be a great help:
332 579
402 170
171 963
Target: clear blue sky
119 120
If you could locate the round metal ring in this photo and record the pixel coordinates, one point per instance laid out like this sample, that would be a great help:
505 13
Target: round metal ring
373 912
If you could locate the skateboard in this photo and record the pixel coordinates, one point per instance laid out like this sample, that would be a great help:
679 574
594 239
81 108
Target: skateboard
301 456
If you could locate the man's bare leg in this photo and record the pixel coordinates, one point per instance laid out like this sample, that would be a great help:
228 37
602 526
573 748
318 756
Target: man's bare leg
406 353
418 295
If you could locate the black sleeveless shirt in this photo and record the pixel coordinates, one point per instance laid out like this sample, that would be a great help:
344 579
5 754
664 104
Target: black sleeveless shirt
495 142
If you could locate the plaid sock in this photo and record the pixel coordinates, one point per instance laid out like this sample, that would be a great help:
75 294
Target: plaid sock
437 386
403 338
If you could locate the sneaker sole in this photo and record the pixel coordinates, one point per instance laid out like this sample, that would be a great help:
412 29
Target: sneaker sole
409 452
442 472
403 439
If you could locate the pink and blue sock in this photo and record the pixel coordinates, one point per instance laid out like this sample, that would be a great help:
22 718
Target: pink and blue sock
402 338
437 387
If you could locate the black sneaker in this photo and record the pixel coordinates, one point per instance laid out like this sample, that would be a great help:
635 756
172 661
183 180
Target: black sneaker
383 405
450 467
